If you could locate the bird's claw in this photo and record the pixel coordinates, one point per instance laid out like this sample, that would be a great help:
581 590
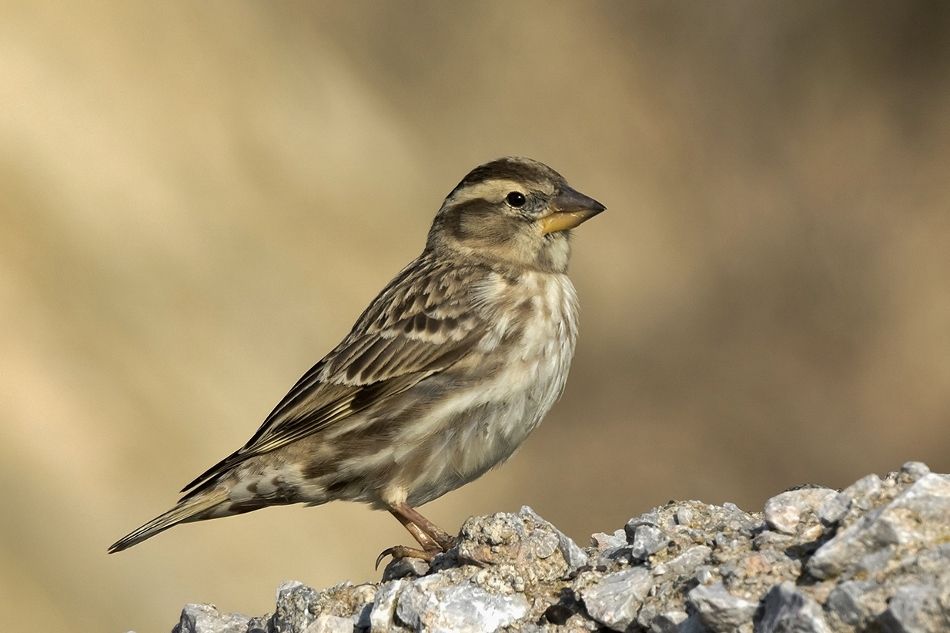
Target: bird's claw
401 551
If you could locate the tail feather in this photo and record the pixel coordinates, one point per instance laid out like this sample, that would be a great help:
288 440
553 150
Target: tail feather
187 509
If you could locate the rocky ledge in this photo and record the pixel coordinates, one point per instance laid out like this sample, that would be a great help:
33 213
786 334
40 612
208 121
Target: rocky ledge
874 557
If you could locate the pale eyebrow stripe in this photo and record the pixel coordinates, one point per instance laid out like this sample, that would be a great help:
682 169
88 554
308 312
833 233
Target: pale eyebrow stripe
491 190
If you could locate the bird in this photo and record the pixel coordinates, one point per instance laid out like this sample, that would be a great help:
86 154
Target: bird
442 377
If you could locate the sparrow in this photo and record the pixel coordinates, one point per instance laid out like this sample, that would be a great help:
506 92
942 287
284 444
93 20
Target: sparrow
442 377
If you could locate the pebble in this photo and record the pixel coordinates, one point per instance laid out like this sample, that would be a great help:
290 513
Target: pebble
795 509
646 541
786 610
615 600
719 610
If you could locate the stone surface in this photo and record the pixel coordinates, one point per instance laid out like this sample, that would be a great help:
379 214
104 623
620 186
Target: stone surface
614 599
427 605
918 608
330 624
645 540
797 510
872 558
205 618
402 567
916 517
720 610
788 610
571 552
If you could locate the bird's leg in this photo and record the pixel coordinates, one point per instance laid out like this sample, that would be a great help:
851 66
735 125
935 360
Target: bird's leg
426 541
429 546
409 516
432 539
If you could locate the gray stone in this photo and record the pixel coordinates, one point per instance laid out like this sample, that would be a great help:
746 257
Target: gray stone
692 624
684 564
615 600
604 541
705 574
794 510
574 556
524 540
719 610
384 606
860 495
293 613
668 622
684 516
609 548
205 618
788 610
920 515
918 609
403 567
864 491
834 508
466 608
646 541
330 624
854 602
912 471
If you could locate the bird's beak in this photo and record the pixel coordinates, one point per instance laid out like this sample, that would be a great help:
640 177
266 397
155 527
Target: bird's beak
570 209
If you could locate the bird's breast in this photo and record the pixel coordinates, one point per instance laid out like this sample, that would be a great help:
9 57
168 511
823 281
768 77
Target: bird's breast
522 366
532 335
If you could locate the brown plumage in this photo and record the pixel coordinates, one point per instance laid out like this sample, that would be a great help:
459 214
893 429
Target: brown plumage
442 376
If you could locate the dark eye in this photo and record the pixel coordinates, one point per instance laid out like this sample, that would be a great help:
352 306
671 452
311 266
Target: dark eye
516 199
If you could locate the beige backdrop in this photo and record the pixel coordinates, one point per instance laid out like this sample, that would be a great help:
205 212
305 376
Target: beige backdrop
197 199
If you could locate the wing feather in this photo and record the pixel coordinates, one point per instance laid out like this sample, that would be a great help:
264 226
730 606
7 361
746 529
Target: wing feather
419 325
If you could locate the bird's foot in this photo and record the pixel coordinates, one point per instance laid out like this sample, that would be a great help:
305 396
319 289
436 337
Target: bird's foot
401 551
445 540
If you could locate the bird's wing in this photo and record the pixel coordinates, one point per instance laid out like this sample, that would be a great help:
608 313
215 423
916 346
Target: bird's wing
419 325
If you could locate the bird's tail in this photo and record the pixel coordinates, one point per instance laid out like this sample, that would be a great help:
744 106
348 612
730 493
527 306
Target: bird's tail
186 510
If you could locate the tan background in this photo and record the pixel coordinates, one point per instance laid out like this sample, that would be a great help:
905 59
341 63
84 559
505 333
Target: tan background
197 199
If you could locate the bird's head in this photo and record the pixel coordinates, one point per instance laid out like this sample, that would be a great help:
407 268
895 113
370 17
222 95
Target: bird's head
513 211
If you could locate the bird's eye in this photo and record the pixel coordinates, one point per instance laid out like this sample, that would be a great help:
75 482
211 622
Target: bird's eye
516 199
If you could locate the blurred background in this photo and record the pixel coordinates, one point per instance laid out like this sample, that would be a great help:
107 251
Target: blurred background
197 200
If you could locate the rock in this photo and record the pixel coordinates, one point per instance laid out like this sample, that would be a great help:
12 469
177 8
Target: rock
293 613
684 564
425 606
684 515
858 495
918 609
834 509
608 547
523 540
854 603
330 624
573 555
402 567
788 610
205 618
721 611
383 610
668 622
912 471
797 510
615 599
919 516
874 557
645 540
